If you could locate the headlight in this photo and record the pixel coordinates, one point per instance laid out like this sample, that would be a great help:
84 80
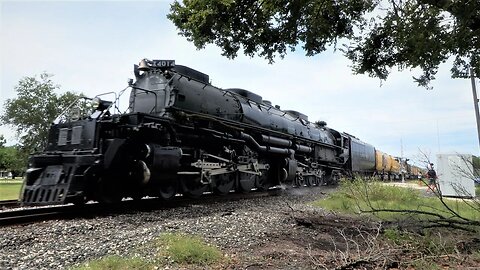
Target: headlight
96 103
100 105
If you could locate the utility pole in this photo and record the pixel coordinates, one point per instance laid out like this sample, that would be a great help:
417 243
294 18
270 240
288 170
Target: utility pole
475 102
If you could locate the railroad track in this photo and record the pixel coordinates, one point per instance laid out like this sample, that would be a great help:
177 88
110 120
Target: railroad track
28 215
36 214
9 204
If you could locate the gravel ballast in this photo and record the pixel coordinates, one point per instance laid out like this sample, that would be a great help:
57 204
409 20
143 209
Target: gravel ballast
233 226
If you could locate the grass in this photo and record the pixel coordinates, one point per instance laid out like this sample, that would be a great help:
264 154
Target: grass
10 190
358 196
175 251
433 247
187 249
421 247
428 244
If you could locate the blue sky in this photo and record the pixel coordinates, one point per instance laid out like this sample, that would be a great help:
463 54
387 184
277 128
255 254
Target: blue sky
91 47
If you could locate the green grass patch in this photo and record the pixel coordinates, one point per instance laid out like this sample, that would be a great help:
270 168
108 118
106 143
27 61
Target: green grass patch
187 249
175 251
359 197
10 191
117 263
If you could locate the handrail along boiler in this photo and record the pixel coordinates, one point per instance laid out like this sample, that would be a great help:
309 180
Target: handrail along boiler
181 134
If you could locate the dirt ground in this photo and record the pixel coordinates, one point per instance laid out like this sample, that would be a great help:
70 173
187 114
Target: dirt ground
336 242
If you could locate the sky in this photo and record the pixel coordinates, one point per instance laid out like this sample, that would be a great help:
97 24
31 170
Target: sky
91 47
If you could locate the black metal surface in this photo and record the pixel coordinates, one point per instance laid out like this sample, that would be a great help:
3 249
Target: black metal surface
73 135
362 156
58 182
182 132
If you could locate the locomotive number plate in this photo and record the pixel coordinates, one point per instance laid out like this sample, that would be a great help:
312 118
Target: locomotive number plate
163 63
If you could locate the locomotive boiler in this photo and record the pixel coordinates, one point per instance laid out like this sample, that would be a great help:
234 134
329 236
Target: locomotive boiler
182 135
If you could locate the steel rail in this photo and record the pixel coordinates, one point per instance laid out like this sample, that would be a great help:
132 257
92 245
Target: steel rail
37 214
9 204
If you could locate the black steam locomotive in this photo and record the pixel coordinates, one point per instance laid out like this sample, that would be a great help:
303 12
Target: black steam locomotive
181 135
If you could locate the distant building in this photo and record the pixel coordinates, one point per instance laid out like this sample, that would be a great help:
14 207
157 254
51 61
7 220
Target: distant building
5 174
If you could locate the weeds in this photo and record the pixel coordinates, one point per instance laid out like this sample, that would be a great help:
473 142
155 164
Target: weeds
393 203
186 249
174 249
431 248
419 232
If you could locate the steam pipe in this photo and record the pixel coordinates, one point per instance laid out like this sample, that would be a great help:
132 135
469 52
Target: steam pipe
267 149
286 143
276 141
303 148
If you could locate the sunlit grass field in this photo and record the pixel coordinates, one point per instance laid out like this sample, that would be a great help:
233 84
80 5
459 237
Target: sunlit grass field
361 197
10 189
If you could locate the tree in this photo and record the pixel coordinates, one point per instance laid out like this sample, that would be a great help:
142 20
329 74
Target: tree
2 140
12 159
375 35
34 109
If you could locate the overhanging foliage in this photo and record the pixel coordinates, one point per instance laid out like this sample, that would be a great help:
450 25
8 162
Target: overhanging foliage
375 35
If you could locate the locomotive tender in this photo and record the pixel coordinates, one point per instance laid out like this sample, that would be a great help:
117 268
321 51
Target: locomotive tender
182 135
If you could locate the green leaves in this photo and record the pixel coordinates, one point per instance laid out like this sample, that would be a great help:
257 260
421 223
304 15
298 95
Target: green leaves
375 35
34 109
267 27
12 159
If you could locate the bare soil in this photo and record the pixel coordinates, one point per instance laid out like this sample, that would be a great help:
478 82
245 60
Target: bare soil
345 242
